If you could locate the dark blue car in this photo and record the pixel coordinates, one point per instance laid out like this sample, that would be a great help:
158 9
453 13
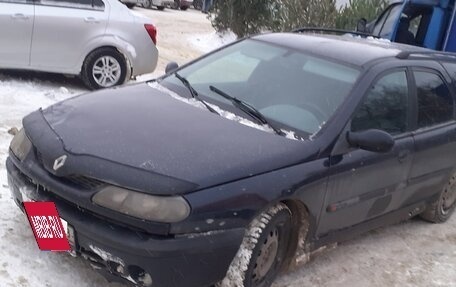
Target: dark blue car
240 164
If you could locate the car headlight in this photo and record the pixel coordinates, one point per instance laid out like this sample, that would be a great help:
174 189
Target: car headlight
166 209
21 145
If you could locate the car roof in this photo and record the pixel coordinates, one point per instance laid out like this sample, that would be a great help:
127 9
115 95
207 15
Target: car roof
352 50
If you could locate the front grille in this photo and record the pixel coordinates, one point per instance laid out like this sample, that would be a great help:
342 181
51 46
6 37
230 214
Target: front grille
84 182
76 181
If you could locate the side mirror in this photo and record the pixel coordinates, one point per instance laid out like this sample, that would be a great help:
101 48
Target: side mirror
371 140
361 26
171 67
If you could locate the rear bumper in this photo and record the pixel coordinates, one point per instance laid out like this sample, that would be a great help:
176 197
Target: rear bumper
125 255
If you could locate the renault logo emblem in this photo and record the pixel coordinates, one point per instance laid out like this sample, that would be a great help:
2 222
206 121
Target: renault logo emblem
59 162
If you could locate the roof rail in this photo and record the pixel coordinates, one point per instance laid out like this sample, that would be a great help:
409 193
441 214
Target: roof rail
407 54
332 31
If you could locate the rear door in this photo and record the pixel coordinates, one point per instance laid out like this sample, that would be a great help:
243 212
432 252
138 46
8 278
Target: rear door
16 25
364 185
435 135
64 29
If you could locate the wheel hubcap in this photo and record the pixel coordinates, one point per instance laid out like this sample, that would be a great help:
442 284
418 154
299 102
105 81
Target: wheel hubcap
106 71
449 199
268 253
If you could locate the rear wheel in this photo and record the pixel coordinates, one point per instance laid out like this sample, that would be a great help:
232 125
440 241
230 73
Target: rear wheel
104 68
441 210
263 250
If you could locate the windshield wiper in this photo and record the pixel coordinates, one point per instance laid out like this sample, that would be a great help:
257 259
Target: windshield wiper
247 108
194 93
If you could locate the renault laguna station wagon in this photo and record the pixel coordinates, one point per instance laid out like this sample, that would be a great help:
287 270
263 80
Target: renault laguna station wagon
240 164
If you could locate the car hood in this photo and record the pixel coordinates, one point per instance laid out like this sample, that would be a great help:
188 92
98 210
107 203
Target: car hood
145 139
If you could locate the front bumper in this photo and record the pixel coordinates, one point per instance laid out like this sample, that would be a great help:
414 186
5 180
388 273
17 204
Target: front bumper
132 256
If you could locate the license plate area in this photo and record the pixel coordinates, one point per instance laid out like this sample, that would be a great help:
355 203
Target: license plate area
71 235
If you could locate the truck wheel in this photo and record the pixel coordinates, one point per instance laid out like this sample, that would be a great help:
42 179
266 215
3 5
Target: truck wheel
263 250
441 209
104 68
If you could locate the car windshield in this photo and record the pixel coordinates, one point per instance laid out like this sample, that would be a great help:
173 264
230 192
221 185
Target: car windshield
293 90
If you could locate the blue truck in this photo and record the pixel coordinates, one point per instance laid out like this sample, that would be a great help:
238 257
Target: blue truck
425 23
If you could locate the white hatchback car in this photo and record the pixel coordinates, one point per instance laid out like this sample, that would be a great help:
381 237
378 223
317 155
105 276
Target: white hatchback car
100 40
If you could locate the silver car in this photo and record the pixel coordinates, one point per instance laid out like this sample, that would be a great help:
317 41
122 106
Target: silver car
102 41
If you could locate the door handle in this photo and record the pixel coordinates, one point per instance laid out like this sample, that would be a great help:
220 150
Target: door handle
403 155
91 20
20 16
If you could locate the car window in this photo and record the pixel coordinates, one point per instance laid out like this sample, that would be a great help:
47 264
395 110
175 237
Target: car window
451 69
385 107
98 4
16 1
297 91
82 4
435 103
237 67
389 25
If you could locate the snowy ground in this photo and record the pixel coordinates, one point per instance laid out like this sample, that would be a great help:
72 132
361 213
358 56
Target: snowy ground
408 254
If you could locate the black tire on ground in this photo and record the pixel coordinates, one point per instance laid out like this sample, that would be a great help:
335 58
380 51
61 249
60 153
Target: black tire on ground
86 72
184 8
130 5
266 240
442 208
160 8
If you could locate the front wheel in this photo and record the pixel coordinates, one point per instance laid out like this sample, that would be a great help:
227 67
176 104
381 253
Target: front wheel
263 250
104 68
441 209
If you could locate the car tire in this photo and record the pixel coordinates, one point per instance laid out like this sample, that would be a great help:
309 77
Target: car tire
147 4
263 250
184 8
109 62
442 208
131 6
160 8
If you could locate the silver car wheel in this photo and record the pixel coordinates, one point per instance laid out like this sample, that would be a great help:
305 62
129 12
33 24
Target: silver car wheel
106 71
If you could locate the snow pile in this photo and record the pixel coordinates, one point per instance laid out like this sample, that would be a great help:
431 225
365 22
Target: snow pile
209 42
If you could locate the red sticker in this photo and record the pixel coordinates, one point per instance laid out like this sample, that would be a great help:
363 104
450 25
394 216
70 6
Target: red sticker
47 226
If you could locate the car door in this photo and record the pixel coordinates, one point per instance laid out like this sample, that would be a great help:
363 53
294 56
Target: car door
63 31
16 25
435 136
363 185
